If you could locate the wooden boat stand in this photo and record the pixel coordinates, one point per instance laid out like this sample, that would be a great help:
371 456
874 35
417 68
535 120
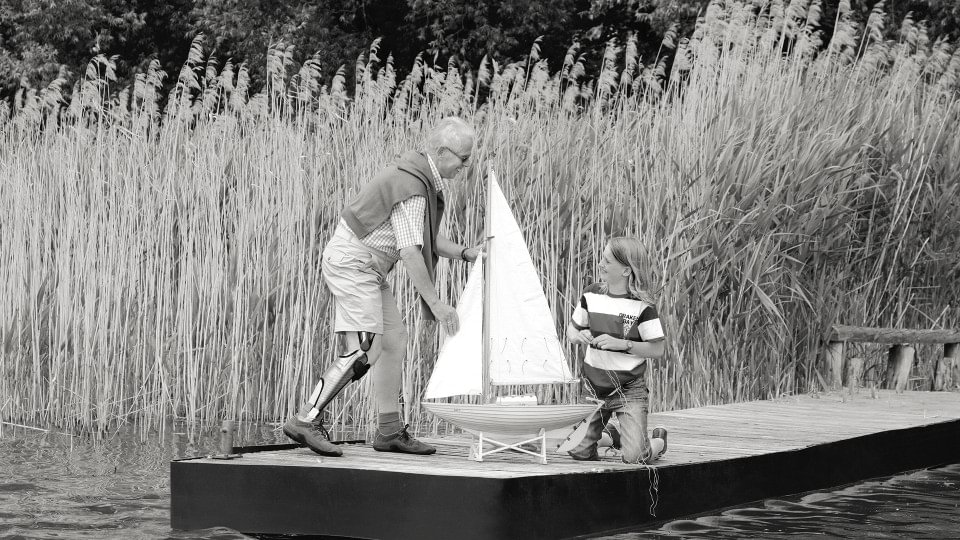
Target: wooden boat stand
477 453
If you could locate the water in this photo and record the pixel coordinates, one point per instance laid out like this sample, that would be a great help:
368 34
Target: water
919 505
54 485
58 486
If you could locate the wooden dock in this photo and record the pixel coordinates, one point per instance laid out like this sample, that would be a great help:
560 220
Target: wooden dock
718 456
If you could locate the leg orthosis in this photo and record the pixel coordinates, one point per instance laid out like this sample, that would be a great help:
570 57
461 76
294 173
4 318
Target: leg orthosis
349 367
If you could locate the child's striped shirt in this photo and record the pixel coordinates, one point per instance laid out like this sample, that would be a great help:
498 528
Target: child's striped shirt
622 318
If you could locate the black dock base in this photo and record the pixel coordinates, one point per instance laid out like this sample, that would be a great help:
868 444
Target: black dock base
718 457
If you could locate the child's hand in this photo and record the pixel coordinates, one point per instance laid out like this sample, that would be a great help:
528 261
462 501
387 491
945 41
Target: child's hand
582 336
610 343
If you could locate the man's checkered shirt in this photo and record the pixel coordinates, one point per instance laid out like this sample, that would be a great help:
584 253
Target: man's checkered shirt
404 228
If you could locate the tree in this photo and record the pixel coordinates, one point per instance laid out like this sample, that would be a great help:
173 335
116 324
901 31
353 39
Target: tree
335 31
505 29
43 39
40 40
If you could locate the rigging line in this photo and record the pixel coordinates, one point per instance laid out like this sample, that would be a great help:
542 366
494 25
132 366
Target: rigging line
653 476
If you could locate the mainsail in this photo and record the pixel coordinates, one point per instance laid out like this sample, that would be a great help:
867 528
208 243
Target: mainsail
523 343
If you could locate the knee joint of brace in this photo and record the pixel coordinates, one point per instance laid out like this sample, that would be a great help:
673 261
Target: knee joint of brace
366 340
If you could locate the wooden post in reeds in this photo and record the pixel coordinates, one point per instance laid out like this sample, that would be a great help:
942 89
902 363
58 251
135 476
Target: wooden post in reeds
227 427
853 373
899 362
948 368
834 358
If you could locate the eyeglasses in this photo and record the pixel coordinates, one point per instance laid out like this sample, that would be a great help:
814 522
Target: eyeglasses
463 160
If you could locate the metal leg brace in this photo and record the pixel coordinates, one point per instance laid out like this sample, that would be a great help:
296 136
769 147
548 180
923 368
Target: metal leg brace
350 367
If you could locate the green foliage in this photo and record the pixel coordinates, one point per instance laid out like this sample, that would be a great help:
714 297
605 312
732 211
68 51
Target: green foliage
501 30
41 40
340 30
331 32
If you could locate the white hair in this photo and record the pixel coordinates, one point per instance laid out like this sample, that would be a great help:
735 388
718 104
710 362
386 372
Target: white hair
451 132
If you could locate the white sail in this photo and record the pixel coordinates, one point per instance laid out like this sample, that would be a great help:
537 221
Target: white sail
524 348
458 370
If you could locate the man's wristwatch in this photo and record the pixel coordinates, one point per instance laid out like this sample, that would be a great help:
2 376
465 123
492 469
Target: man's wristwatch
463 253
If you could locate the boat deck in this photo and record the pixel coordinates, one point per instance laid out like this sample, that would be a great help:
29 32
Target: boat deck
718 456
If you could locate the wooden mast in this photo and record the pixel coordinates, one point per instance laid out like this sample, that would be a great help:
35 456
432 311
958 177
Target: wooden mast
485 325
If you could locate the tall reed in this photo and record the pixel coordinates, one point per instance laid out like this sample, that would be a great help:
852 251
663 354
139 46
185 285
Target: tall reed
163 262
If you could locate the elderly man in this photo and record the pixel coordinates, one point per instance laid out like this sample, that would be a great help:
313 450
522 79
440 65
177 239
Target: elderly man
396 216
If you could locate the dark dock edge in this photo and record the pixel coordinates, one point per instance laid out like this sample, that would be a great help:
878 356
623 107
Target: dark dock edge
240 450
285 446
384 504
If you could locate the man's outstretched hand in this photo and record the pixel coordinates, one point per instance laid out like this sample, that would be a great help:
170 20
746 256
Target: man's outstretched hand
447 316
472 254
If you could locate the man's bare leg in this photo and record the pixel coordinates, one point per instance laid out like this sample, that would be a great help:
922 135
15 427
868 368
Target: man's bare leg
392 434
387 382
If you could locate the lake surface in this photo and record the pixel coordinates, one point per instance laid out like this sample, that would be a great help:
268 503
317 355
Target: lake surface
54 485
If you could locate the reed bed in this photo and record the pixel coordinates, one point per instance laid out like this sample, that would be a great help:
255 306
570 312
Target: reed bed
162 262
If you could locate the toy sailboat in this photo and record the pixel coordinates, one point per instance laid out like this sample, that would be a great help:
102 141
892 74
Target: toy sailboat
507 336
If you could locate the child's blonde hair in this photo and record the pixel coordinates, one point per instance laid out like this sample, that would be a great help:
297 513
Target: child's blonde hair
628 252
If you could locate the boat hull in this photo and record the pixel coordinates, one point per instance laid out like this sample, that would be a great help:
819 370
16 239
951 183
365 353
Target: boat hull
510 419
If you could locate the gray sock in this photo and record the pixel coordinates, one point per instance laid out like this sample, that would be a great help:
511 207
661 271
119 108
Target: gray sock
389 423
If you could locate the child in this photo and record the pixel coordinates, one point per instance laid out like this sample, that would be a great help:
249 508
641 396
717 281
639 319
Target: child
617 320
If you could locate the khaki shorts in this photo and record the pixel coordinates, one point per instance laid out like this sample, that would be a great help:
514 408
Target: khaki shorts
356 275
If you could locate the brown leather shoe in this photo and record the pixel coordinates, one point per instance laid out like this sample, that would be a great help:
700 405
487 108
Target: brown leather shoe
401 442
313 435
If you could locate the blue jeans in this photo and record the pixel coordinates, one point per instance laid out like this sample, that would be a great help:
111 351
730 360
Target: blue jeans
631 405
